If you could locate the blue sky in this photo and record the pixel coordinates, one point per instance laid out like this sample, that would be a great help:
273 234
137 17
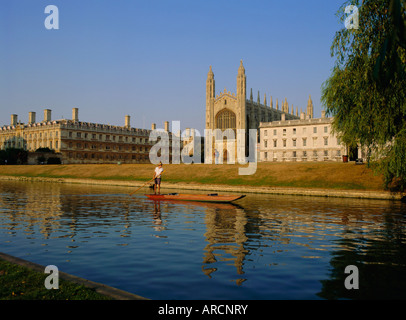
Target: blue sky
149 59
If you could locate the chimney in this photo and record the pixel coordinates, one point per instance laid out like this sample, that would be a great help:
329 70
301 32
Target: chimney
167 126
14 118
47 115
127 121
323 114
283 117
75 114
302 116
31 117
153 126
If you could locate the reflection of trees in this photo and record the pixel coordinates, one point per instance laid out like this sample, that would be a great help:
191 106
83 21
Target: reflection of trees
381 262
237 240
371 234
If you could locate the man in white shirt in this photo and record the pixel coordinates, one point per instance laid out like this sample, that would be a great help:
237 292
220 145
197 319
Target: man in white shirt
157 177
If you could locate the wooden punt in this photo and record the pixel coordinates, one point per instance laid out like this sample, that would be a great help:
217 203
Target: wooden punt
211 197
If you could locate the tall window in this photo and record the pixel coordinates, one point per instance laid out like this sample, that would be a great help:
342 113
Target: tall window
225 119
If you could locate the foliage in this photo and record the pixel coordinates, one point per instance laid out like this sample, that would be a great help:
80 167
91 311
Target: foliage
13 156
54 160
41 159
366 92
45 150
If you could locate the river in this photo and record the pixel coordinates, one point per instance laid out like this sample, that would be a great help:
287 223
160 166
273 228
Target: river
265 247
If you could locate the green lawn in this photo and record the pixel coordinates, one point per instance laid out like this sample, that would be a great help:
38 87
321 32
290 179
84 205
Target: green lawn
327 175
21 283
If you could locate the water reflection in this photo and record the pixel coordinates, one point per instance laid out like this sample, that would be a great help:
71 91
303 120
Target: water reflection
262 244
225 237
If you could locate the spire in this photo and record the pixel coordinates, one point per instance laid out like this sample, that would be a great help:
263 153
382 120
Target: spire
210 74
241 68
241 83
251 97
309 110
258 99
271 103
210 87
265 99
285 106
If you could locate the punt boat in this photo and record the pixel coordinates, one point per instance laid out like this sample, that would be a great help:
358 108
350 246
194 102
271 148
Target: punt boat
211 197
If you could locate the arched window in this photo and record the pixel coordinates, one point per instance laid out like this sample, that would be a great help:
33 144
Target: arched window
225 119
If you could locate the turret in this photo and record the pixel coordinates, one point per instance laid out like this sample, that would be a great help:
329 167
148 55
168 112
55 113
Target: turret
285 107
309 110
241 96
210 94
241 81
210 86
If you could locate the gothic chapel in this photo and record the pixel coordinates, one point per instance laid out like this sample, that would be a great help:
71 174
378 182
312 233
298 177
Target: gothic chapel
228 110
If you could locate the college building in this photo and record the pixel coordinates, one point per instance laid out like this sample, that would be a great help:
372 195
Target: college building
77 141
283 133
305 139
227 110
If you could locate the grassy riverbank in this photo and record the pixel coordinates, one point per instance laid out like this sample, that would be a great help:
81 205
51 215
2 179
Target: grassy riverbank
21 283
335 176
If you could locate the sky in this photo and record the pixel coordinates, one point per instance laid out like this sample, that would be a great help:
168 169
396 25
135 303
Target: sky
150 59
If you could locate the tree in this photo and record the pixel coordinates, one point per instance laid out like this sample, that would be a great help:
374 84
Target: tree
45 150
13 156
366 92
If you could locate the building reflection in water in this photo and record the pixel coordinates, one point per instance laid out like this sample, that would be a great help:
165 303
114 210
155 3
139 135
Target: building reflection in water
225 236
254 234
26 208
236 235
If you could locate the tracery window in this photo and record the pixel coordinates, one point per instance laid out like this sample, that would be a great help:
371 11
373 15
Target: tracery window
225 119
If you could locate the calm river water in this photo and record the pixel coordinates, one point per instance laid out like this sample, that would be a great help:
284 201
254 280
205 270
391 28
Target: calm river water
267 247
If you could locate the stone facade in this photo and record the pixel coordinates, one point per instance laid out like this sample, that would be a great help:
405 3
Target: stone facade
305 139
227 110
77 141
